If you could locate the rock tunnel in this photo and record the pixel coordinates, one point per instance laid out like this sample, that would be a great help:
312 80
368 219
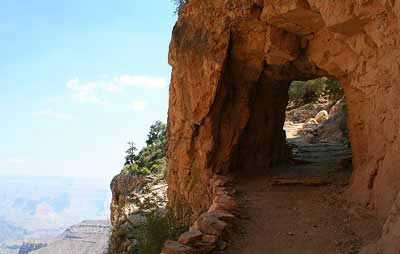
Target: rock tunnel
233 62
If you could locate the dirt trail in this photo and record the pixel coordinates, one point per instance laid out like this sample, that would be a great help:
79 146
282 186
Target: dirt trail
296 219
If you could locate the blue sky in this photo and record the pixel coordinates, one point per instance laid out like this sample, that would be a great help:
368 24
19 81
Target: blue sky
79 79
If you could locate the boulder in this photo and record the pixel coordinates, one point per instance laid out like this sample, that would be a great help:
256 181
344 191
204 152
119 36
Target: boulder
334 129
172 247
321 116
312 121
190 237
224 202
211 239
210 224
309 138
337 107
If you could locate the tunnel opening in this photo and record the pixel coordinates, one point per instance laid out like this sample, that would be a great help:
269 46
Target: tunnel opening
316 131
294 168
297 124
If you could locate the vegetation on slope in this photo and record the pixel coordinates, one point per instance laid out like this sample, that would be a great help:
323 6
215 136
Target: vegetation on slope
151 159
156 229
303 92
157 224
308 98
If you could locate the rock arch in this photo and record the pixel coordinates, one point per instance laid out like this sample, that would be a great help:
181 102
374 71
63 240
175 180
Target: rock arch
232 63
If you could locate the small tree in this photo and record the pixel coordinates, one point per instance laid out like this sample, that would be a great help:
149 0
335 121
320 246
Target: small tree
157 133
130 154
151 159
179 4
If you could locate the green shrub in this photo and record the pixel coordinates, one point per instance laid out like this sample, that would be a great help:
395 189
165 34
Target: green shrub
157 228
133 169
297 90
311 90
151 159
334 89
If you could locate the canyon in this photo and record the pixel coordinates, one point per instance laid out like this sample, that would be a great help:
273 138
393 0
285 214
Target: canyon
89 236
233 62
31 216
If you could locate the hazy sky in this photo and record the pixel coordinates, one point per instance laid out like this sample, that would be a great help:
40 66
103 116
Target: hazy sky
78 80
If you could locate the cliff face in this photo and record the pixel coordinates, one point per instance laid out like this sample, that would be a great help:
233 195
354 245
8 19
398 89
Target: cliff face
122 186
130 196
232 64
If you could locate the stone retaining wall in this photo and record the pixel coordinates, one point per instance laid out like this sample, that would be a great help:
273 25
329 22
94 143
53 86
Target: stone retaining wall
207 233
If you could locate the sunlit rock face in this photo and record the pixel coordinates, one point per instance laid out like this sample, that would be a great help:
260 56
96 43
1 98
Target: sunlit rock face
232 64
130 197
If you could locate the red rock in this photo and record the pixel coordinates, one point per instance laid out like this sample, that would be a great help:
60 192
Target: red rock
190 237
389 242
293 16
212 239
281 47
210 224
224 202
172 247
227 105
221 181
221 215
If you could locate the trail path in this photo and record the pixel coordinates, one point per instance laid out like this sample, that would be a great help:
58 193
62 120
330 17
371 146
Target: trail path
297 219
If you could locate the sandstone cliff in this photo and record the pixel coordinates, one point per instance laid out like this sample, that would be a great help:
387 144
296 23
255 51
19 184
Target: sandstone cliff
232 64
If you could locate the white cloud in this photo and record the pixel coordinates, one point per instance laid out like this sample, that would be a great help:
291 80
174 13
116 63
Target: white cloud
85 92
138 105
93 91
50 114
126 80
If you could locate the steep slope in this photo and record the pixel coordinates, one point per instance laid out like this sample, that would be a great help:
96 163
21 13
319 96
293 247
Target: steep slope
138 190
127 213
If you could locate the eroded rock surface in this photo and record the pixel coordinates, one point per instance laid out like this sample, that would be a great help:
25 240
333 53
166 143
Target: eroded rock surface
132 197
232 64
86 237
